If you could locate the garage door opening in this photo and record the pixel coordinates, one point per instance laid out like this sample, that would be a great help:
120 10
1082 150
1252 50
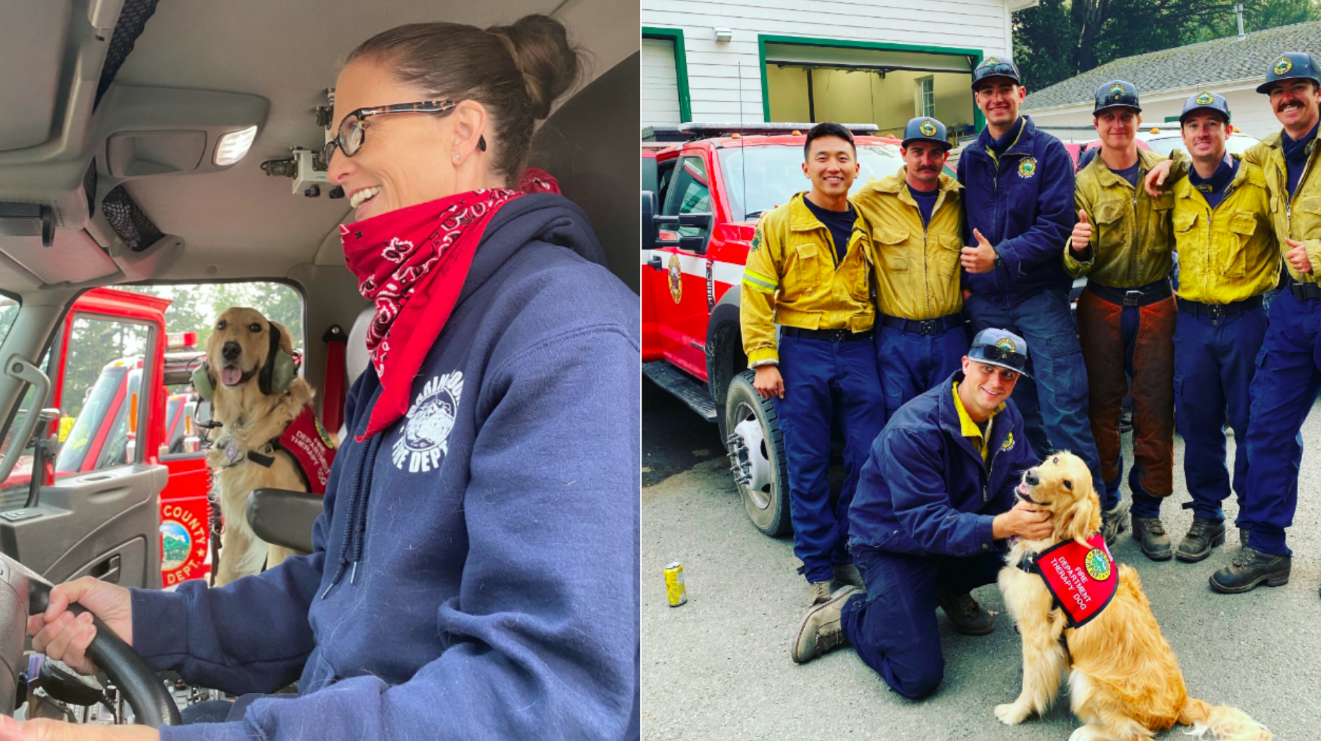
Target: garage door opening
857 84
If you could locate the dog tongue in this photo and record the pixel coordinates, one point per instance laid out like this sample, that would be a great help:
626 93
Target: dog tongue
230 376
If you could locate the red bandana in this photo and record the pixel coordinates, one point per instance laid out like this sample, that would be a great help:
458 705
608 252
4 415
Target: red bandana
411 263
1083 580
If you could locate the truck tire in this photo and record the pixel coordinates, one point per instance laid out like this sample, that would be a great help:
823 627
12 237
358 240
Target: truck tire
756 454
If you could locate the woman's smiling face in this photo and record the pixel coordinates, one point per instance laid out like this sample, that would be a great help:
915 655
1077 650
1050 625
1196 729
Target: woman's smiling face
405 158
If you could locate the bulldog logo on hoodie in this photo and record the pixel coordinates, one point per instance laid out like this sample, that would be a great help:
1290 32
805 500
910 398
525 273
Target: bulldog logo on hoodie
427 425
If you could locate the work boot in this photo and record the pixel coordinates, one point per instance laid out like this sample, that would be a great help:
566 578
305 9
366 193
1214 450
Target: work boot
1201 538
818 592
1250 568
1150 534
1114 521
821 631
846 574
963 611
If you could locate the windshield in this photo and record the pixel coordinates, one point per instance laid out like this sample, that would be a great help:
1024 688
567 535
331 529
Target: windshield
774 173
104 395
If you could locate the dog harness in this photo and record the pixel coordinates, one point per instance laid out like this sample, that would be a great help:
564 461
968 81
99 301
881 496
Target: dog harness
305 439
1082 579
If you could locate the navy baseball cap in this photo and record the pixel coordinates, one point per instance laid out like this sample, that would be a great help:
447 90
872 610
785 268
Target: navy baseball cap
1000 347
995 67
1205 101
1291 65
1116 94
924 128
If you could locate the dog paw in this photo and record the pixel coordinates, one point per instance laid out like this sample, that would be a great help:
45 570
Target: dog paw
1011 714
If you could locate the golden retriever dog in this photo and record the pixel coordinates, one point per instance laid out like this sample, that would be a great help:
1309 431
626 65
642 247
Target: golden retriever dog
1124 681
236 353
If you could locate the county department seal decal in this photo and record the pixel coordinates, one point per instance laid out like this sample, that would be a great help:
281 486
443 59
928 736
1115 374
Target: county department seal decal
1283 65
927 128
1097 565
676 278
1027 168
424 441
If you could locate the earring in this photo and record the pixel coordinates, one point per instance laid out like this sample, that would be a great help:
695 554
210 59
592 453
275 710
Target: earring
481 143
457 157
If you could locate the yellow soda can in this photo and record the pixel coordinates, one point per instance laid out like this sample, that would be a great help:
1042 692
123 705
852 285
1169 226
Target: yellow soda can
674 584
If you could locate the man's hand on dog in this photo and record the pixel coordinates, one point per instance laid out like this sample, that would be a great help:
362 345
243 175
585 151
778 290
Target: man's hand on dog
60 635
1024 520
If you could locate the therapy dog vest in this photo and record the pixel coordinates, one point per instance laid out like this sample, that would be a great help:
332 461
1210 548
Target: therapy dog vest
1082 580
307 442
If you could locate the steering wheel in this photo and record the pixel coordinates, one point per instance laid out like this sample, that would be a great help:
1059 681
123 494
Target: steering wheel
152 705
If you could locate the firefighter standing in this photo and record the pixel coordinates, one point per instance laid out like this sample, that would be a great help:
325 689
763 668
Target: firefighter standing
1126 316
1018 198
1227 262
916 219
808 270
1289 373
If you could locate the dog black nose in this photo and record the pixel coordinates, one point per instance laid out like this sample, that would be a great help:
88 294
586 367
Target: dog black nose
230 350
1031 477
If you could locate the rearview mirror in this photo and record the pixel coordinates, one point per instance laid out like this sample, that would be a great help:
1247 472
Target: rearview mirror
648 220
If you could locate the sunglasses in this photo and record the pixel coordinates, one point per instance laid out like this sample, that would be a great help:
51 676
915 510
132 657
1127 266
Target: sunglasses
999 355
353 127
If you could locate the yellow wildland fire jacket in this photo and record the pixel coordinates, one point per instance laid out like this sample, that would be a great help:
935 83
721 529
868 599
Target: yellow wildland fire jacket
1132 233
1227 254
791 278
916 265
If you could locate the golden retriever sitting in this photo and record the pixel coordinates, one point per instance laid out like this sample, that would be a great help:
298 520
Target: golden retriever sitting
236 353
1125 682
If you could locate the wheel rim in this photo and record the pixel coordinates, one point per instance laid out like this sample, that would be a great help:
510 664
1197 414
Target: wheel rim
751 466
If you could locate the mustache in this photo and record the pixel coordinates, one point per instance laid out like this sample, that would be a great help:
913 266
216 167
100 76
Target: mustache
926 168
1289 103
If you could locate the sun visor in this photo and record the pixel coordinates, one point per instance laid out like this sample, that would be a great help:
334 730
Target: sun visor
32 49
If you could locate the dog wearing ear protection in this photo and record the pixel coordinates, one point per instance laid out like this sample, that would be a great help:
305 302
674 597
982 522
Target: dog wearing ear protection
1078 610
250 377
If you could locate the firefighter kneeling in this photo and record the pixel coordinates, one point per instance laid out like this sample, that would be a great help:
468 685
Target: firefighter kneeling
929 521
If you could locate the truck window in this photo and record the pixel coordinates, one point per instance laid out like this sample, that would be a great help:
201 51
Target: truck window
689 193
102 378
8 313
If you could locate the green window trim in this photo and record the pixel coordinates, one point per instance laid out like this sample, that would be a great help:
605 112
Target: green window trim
675 35
975 55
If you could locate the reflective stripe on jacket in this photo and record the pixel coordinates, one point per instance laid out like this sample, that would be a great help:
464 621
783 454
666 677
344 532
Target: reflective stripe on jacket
1132 233
1022 202
916 265
1228 254
1298 217
791 278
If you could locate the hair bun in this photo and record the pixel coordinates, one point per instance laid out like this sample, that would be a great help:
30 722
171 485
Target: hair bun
549 64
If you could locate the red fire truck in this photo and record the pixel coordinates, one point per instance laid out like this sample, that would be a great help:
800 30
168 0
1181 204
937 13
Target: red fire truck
106 430
703 188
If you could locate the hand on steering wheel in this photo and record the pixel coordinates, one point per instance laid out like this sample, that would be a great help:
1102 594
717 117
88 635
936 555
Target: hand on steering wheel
60 634
43 729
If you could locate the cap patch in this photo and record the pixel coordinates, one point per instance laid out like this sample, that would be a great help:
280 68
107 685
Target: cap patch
990 61
1205 98
1027 168
1006 344
1116 92
927 128
1283 65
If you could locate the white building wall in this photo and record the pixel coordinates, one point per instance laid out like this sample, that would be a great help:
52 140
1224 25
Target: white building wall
1250 112
724 79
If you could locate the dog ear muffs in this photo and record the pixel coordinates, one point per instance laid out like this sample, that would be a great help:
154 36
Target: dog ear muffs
204 382
279 371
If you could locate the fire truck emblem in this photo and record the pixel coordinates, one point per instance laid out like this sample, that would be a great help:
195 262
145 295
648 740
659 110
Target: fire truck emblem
676 279
927 128
1027 168
1283 65
424 441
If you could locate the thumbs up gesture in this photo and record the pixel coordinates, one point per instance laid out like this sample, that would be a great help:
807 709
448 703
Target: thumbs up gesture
979 258
1082 233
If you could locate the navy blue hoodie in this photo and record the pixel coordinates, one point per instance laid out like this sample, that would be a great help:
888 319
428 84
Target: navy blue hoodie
475 572
1023 205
